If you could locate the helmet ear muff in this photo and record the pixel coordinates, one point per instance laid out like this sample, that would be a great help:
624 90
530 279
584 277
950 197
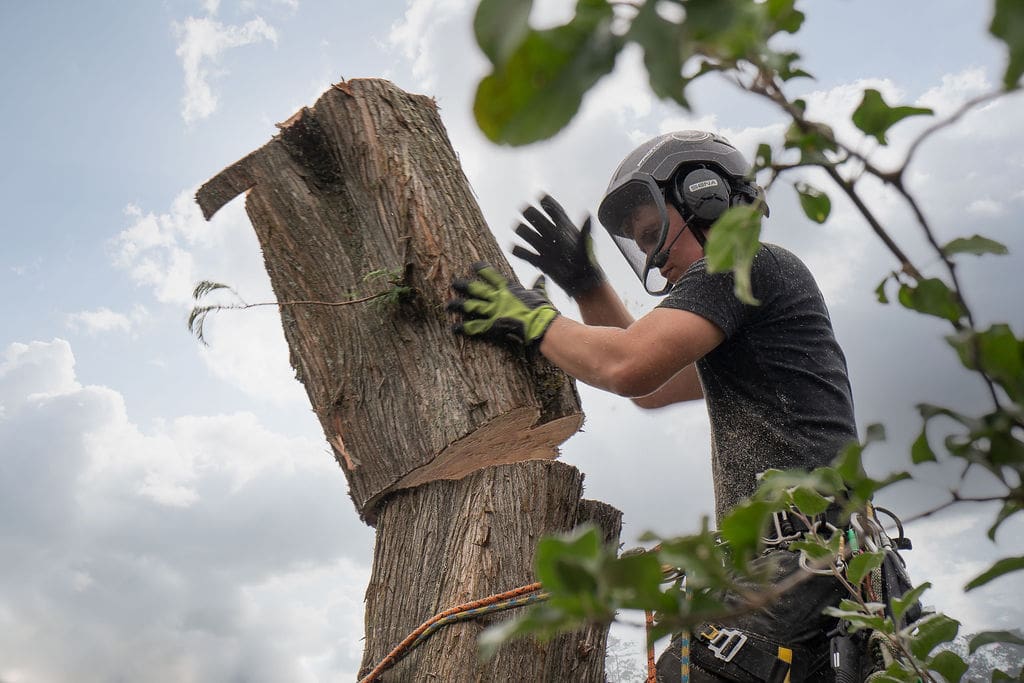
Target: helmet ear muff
702 194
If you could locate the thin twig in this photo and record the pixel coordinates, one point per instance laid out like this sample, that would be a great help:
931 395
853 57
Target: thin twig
953 118
306 303
908 267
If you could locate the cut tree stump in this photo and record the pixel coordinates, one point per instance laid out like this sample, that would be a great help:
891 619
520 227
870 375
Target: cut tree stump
360 201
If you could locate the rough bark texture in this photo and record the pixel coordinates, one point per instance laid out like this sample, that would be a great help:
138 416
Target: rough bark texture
497 516
423 423
358 193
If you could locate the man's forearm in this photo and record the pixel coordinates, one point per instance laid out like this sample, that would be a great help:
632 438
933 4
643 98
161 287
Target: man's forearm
602 306
608 358
591 354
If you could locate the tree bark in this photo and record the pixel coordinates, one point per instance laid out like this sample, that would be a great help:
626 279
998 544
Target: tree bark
357 195
496 517
443 440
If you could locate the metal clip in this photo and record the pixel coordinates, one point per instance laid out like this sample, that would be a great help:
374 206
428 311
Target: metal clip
778 519
726 643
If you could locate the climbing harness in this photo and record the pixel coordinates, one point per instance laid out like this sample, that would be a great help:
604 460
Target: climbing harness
741 655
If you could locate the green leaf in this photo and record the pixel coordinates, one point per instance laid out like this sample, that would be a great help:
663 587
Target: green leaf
539 87
784 15
880 291
1000 353
998 675
783 63
743 526
901 604
875 117
896 673
977 245
1008 25
949 665
933 297
874 432
567 563
848 463
812 139
763 157
1010 508
860 565
497 635
500 27
635 583
814 550
931 631
665 52
989 637
815 203
1003 566
732 243
858 620
920 450
809 501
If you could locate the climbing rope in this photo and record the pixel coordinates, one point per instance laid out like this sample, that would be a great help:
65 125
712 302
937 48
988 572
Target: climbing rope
517 597
683 634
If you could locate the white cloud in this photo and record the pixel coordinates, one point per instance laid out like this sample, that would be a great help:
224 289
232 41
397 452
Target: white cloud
103 320
985 208
169 253
154 249
201 42
208 548
423 31
950 550
955 89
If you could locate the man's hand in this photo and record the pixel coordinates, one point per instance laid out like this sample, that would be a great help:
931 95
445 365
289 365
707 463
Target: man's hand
563 252
495 310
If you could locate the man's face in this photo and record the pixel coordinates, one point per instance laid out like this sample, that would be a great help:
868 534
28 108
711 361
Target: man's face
645 228
683 249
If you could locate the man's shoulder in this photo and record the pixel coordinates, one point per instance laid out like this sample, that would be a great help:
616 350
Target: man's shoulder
774 259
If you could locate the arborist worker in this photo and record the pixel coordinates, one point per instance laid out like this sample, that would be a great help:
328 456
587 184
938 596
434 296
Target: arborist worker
773 376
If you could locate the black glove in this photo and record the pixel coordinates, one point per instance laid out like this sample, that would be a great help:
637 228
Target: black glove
563 252
495 310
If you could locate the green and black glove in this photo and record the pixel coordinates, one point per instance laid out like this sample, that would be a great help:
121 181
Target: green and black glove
564 252
495 310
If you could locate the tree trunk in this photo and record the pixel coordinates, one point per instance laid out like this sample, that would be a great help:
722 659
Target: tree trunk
357 195
360 202
495 517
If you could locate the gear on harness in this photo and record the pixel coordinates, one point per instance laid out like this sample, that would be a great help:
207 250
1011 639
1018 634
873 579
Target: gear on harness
699 173
793 641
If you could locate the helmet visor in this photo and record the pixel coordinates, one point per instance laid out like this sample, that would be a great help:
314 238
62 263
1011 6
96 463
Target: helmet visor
634 214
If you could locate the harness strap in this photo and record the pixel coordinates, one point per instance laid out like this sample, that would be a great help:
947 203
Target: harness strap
743 655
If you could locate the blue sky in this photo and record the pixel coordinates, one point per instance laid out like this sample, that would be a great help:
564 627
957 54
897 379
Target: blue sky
173 512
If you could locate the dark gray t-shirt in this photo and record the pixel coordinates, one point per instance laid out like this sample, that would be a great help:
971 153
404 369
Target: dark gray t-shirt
776 388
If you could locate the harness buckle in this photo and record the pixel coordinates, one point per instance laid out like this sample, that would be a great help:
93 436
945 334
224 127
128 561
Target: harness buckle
726 643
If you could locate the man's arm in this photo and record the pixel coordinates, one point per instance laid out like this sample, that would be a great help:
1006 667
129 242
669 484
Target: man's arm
649 359
602 306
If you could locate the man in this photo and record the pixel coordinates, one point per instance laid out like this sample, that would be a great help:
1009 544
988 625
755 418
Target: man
773 375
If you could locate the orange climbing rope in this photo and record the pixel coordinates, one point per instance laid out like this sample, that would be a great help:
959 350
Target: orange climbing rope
494 603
